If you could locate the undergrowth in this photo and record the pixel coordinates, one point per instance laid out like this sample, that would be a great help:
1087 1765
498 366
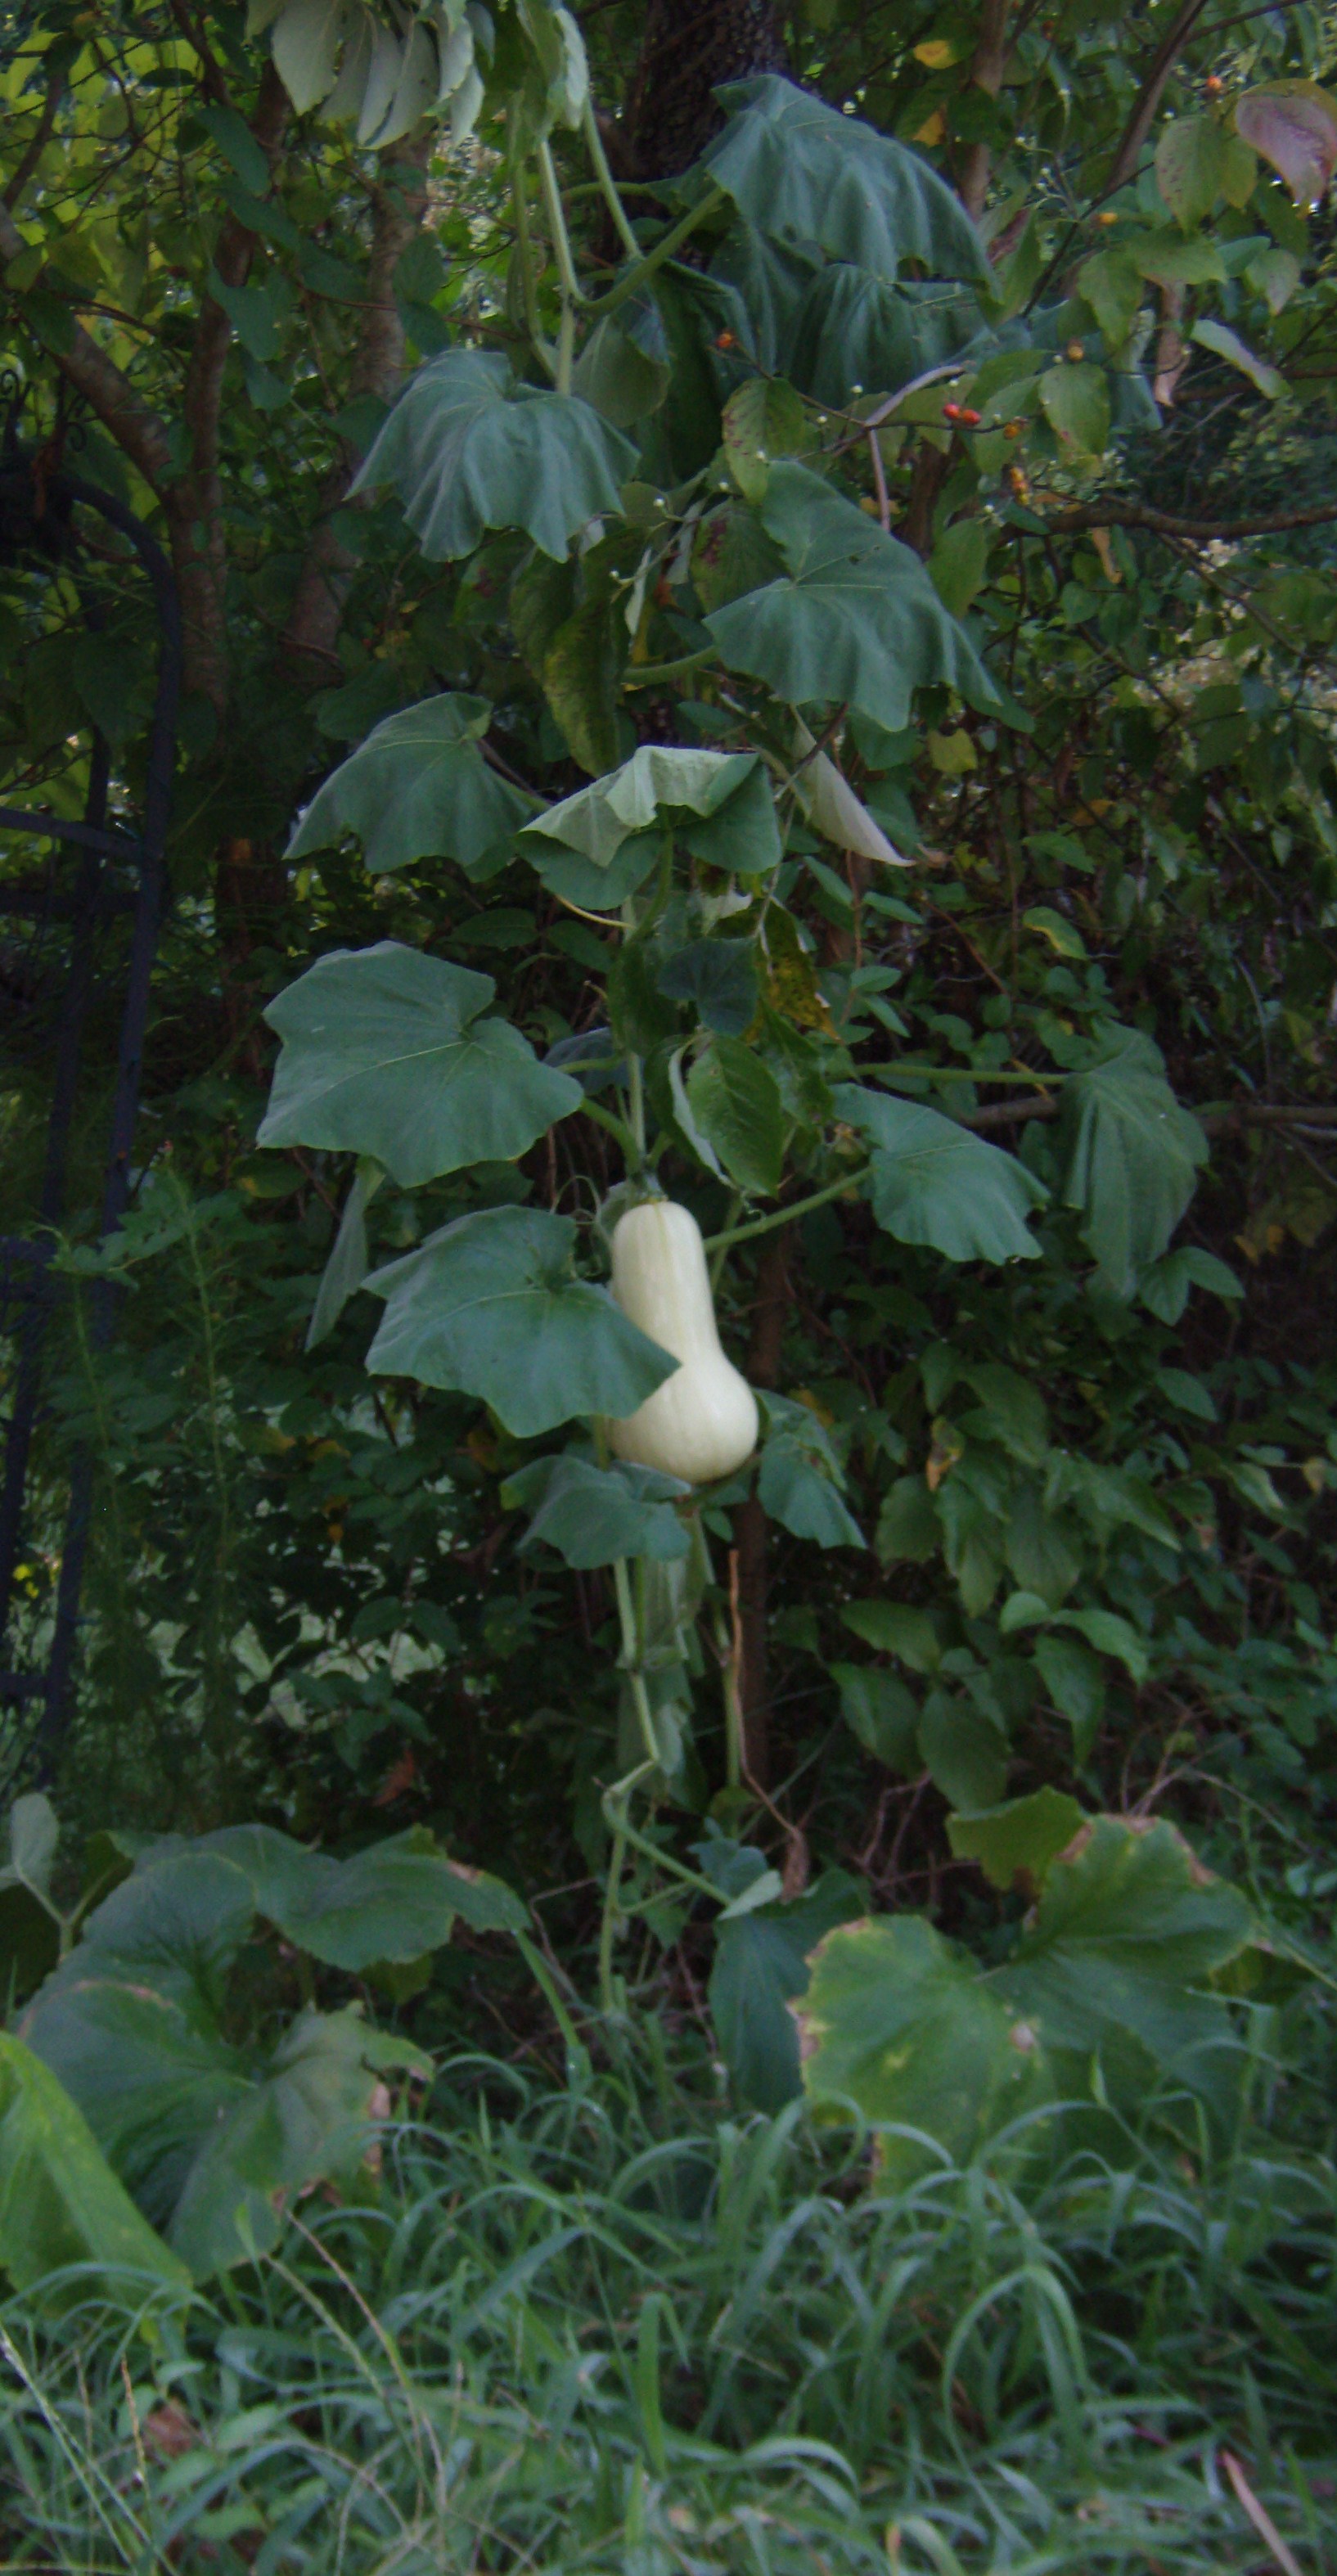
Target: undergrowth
611 2328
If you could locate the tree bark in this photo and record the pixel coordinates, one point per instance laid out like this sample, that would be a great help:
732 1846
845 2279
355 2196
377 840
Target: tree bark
751 1527
194 504
312 632
986 72
688 47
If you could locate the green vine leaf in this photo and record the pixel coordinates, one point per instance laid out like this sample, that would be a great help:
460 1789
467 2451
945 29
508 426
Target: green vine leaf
490 1307
385 1053
419 788
468 448
934 1183
802 172
1133 1156
857 617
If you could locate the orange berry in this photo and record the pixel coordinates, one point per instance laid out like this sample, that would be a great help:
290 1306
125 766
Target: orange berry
1074 351
970 420
725 340
1013 428
1214 84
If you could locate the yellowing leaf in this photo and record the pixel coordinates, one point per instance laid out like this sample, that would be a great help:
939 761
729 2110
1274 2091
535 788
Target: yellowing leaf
952 754
1061 934
937 53
933 128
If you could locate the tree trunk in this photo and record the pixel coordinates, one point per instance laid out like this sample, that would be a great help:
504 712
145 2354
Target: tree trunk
750 1525
688 47
312 632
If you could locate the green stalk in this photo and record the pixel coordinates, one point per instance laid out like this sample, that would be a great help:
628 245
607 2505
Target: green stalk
569 286
651 675
785 1215
524 243
664 248
631 1659
621 1791
607 183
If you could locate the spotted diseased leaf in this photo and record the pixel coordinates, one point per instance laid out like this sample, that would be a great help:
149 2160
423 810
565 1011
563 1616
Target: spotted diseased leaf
468 448
1106 1998
855 618
418 788
490 1306
802 172
386 1053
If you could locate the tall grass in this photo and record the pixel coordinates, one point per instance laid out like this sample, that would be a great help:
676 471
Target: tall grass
602 2330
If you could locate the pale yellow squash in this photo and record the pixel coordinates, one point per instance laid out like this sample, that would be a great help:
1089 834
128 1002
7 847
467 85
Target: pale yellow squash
702 1422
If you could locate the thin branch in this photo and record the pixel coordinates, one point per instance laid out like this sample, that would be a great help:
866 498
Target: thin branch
1147 102
55 90
1139 514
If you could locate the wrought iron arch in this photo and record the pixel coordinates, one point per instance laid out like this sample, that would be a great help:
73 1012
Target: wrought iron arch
97 869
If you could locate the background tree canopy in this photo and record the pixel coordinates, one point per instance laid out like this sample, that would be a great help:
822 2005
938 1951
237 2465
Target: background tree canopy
759 620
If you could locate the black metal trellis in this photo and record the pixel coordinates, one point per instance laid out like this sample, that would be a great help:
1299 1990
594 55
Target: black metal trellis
113 871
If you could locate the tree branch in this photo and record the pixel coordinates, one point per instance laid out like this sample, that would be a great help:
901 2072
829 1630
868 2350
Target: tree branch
55 90
986 73
195 505
1161 523
137 429
1147 102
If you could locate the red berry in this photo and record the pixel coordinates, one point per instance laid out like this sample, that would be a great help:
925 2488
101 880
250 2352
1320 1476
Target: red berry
951 411
970 419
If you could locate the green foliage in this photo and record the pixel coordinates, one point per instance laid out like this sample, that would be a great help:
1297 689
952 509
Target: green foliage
135 2033
821 542
373 1039
467 448
491 1304
1105 1996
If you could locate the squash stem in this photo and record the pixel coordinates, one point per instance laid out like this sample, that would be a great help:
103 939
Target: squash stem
631 1659
617 1820
607 183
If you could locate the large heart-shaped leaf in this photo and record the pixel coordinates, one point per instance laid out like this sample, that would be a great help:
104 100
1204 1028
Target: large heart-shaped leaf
1132 1155
385 1053
857 617
802 172
935 1183
468 448
418 788
394 1900
490 1306
60 2202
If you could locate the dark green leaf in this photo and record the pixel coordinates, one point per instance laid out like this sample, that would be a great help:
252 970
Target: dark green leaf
761 1966
385 1054
720 977
593 1515
735 1104
467 448
418 788
857 618
349 1259
1018 1841
896 1628
802 172
935 1183
60 2202
490 1306
962 1751
1075 1681
1132 1156
884 1714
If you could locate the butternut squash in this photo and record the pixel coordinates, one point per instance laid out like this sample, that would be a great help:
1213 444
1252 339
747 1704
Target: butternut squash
702 1422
